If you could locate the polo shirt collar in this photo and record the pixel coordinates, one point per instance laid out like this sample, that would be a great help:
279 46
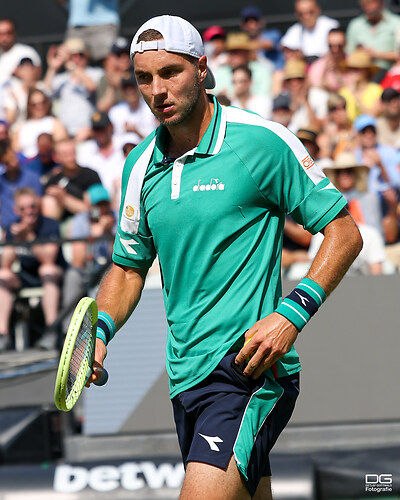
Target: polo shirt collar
210 143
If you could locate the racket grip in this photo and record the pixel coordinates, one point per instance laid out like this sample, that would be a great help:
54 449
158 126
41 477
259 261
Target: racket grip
103 379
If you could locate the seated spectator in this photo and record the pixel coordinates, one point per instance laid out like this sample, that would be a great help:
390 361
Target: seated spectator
96 223
338 134
309 104
375 31
281 112
41 265
14 177
329 71
214 46
242 79
104 155
43 163
391 79
310 34
132 119
388 124
384 176
239 49
278 77
65 190
11 52
75 88
39 120
351 178
17 90
117 65
265 41
382 160
361 94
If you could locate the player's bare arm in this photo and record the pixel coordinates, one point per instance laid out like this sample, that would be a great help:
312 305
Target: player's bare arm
118 296
273 336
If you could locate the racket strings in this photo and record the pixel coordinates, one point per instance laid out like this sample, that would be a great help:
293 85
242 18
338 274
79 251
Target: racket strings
80 356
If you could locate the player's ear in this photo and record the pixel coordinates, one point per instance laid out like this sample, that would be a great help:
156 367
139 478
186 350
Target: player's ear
203 68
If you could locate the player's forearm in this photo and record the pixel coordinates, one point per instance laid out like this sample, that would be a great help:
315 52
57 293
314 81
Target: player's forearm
341 245
120 292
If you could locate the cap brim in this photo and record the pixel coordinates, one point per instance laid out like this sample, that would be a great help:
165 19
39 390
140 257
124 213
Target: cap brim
209 81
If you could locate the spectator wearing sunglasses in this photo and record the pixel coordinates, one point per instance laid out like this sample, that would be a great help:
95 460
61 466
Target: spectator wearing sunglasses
329 72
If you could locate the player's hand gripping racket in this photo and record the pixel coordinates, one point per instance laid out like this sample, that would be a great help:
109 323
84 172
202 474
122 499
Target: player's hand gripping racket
76 361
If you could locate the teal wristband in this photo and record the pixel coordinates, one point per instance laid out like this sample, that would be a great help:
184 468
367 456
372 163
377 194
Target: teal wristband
105 327
304 301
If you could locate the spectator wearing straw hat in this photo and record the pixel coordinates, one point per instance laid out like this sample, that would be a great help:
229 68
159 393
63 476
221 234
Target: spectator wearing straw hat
351 178
361 94
309 104
240 51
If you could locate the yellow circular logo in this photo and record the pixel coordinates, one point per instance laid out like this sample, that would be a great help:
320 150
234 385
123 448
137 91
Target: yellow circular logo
129 211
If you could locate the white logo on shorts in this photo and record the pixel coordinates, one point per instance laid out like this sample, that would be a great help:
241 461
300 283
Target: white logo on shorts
212 440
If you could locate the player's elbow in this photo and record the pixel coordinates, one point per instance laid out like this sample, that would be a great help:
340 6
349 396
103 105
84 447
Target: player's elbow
355 241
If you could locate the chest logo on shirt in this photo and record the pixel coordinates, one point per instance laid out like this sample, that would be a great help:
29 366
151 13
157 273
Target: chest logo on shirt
129 211
307 162
213 185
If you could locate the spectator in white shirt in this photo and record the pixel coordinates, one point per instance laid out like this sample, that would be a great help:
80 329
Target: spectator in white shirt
75 88
132 119
104 155
243 99
310 34
11 52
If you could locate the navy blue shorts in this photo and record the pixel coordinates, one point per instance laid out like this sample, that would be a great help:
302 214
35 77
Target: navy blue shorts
228 413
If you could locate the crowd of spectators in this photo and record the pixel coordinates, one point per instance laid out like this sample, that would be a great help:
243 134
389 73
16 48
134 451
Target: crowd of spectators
69 119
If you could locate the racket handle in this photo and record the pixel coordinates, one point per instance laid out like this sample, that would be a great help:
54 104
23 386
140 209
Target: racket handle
103 379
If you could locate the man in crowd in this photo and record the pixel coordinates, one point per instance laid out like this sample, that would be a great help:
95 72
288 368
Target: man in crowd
104 155
11 52
75 87
310 33
41 265
388 124
376 30
13 178
65 190
209 190
266 42
329 71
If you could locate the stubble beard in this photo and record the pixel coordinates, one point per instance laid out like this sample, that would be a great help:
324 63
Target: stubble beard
193 99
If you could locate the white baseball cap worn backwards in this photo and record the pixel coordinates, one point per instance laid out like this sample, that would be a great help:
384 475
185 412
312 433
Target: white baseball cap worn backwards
178 36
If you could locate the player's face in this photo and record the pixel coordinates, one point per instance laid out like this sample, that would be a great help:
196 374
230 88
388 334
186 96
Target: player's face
170 84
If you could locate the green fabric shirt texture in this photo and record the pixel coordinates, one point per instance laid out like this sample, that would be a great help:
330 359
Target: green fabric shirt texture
382 37
215 218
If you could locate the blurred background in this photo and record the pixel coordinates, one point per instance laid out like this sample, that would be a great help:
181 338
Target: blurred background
70 113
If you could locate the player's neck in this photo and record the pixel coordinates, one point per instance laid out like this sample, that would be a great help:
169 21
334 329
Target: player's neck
187 135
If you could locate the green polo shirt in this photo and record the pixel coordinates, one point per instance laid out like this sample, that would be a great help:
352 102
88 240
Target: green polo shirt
215 218
382 37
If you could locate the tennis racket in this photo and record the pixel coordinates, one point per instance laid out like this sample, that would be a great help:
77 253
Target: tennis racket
75 366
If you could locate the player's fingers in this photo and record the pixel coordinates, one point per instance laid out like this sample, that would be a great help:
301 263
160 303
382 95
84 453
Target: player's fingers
249 347
96 373
254 363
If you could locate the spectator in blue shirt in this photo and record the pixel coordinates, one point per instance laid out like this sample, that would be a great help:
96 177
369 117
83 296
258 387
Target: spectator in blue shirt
266 41
43 163
13 178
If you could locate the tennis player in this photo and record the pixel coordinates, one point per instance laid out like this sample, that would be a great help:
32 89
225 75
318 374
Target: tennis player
208 192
